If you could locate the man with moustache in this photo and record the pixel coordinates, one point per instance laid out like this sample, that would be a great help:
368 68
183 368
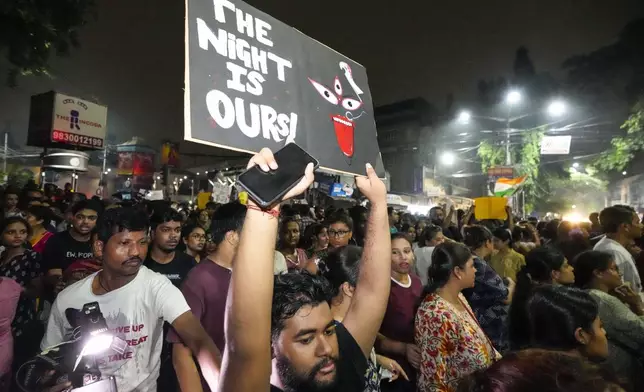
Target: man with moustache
73 245
165 259
163 256
135 302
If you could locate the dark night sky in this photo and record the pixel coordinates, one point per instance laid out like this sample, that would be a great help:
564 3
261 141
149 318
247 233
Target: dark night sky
132 57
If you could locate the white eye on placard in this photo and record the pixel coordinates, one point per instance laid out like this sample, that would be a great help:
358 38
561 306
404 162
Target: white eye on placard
351 104
325 92
338 86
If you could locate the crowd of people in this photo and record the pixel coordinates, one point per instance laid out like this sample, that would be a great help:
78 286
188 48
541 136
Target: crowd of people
237 298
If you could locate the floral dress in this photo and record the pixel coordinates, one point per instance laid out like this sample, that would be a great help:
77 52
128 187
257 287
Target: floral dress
23 269
451 342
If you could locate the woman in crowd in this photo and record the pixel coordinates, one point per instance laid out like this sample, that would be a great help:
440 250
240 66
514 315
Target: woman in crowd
506 261
10 205
343 265
490 296
526 238
396 337
204 220
315 240
193 240
565 319
537 370
452 343
429 238
24 266
623 319
410 231
9 295
38 217
545 265
296 259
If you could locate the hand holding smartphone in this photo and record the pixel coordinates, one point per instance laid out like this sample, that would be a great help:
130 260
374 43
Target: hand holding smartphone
271 179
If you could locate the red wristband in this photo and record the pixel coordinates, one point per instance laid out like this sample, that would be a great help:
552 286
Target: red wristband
272 212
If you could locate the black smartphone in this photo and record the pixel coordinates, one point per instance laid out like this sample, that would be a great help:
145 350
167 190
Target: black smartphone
267 188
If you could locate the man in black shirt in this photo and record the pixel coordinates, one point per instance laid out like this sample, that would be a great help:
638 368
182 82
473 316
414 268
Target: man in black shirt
73 245
290 314
163 256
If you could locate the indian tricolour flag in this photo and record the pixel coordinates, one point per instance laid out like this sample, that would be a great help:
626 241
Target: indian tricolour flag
507 186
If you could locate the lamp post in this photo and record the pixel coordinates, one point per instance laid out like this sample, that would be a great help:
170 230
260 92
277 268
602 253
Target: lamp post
513 97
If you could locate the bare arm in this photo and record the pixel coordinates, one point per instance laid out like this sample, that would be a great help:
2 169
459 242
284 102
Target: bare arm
185 368
247 358
201 345
369 303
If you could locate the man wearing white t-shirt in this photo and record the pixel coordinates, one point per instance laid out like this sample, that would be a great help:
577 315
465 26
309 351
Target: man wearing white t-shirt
622 227
135 303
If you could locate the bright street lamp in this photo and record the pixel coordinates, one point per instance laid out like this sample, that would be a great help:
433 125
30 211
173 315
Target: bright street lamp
513 97
557 108
575 165
448 158
464 117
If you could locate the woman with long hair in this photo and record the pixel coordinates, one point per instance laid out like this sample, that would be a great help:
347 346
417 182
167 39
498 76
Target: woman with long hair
315 239
506 261
343 267
396 338
620 310
545 265
565 319
538 370
38 217
429 238
25 267
452 343
193 240
289 238
490 296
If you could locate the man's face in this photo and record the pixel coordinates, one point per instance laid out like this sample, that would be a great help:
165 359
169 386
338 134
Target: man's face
125 251
439 215
34 195
306 351
11 201
84 221
166 236
635 231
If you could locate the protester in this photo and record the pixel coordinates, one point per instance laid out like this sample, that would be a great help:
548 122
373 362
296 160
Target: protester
394 219
309 350
65 248
396 338
193 240
452 344
289 237
359 215
38 217
429 238
10 205
439 217
315 240
490 296
206 289
620 310
204 219
343 270
506 261
10 292
544 266
622 227
164 257
136 302
25 267
538 370
340 229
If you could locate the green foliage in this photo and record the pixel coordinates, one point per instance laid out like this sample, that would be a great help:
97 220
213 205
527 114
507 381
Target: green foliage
490 154
31 30
17 176
624 148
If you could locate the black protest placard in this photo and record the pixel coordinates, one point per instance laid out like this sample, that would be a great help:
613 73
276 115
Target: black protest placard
253 82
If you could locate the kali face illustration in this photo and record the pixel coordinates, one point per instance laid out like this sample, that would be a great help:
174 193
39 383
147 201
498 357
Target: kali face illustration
344 125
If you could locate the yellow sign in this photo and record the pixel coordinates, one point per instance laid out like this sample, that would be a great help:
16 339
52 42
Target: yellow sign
202 199
490 208
243 197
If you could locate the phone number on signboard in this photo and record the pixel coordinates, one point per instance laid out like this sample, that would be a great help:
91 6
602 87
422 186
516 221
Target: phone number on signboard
66 137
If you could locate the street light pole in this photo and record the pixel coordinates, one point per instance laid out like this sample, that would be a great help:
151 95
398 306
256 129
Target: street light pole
508 157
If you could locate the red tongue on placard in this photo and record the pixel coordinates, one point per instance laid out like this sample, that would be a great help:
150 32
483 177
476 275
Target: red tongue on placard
344 133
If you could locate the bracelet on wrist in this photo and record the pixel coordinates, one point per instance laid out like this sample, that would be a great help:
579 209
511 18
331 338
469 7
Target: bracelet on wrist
274 212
